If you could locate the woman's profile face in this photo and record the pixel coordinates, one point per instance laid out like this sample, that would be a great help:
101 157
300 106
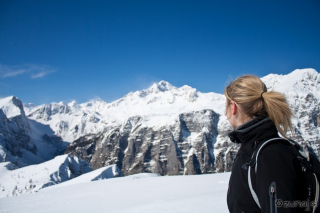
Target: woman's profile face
228 114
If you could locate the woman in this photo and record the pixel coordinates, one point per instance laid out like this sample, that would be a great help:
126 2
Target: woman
257 115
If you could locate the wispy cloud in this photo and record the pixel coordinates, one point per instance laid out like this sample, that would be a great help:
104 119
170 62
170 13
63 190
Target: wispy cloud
13 73
33 70
41 74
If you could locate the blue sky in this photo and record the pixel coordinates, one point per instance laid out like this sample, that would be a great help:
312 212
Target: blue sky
56 50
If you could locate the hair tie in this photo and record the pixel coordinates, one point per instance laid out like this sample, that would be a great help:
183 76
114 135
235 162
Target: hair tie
261 94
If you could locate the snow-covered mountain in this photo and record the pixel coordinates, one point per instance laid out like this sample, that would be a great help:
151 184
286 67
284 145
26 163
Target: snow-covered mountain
30 179
24 141
158 111
157 104
302 88
189 135
165 129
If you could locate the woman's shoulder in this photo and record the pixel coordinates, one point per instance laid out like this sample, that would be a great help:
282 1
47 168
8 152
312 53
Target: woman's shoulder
279 153
279 146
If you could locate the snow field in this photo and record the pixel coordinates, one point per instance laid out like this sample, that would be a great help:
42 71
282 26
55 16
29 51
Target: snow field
135 194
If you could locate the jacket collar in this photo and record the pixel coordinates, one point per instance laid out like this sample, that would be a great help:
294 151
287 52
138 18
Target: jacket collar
256 129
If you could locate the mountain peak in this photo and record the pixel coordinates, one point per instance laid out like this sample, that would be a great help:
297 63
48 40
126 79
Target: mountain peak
97 100
297 77
62 103
73 103
9 98
303 71
162 86
11 106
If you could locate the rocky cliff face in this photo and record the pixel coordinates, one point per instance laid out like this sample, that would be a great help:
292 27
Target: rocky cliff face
185 147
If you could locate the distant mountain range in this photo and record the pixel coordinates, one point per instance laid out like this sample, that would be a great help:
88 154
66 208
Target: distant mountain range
162 129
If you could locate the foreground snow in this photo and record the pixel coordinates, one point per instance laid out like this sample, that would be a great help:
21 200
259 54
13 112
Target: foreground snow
136 193
62 170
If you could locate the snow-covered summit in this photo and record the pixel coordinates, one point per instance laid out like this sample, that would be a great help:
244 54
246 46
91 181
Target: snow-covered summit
94 104
302 89
300 80
11 106
73 104
155 88
161 99
162 86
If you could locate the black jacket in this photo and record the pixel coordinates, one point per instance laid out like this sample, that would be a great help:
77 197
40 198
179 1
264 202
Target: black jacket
276 163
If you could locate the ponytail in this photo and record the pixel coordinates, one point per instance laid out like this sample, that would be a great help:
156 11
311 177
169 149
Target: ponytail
252 98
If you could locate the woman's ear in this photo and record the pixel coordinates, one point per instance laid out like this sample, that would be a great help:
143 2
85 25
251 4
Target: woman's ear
234 108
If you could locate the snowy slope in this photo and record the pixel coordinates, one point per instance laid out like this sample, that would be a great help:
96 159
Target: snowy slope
31 179
132 194
95 175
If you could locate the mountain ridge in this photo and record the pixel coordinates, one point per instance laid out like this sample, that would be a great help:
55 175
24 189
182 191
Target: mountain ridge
168 130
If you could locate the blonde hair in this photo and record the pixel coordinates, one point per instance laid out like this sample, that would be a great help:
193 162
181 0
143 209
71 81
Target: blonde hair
252 98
